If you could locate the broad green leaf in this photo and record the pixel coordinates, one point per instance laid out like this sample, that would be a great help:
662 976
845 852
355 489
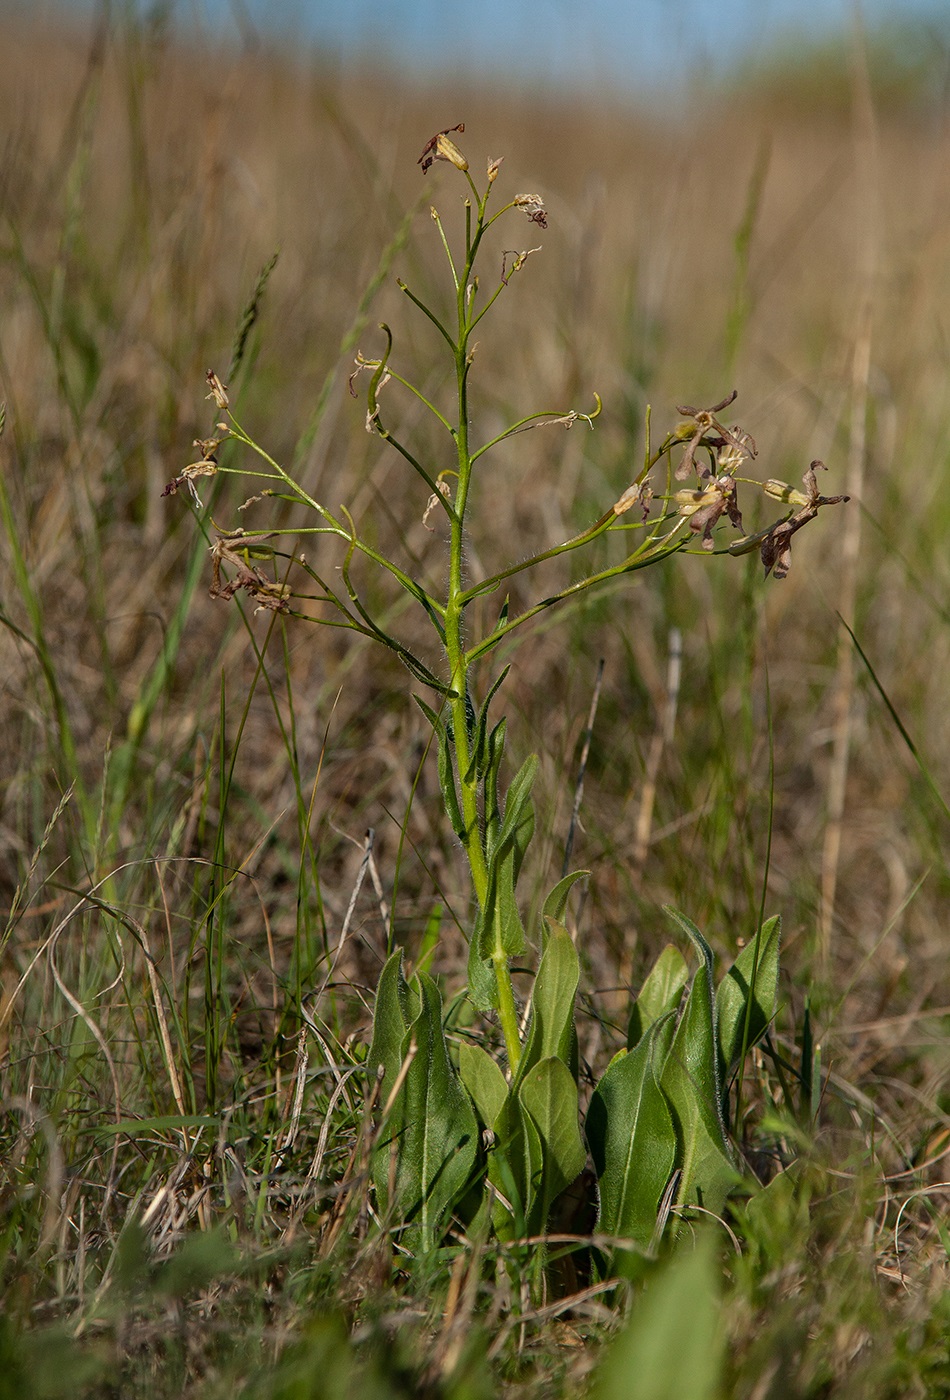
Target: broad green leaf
632 1138
482 986
390 1022
548 1095
514 1165
428 1141
659 994
690 1080
735 993
672 1345
551 1031
484 1081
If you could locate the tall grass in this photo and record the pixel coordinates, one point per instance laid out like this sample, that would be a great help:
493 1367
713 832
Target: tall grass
186 790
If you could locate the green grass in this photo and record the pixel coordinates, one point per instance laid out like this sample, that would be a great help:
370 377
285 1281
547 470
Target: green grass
185 1201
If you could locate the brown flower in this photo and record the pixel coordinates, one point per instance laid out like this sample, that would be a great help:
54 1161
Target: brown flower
219 391
236 549
439 147
533 206
705 430
705 507
776 550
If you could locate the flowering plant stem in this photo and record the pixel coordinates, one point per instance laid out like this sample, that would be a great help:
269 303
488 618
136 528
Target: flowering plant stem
459 662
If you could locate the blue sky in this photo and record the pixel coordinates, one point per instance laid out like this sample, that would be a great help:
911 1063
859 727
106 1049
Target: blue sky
623 43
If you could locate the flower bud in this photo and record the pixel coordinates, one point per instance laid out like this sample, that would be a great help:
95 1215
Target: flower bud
447 150
781 491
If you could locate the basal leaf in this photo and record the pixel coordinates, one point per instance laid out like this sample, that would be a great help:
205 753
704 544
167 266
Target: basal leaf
632 1138
551 1029
690 1080
735 996
390 1022
428 1141
548 1095
484 1081
659 994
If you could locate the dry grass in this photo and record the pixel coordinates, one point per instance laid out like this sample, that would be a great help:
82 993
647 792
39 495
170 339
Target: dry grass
142 188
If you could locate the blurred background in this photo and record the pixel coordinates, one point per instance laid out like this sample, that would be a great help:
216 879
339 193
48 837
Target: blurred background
644 48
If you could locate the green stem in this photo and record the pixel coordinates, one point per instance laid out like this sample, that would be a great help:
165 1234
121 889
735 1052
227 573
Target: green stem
459 662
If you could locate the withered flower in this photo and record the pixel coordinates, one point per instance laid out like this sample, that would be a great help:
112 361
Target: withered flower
705 430
704 508
206 467
640 493
439 147
533 206
776 550
517 263
236 550
444 493
219 391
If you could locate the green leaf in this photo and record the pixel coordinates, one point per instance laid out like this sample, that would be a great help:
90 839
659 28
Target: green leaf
446 767
428 1141
514 1163
484 1081
690 1080
633 1139
556 902
672 1345
529 1131
551 1031
736 991
491 807
482 985
501 925
518 801
659 994
390 1022
480 752
548 1095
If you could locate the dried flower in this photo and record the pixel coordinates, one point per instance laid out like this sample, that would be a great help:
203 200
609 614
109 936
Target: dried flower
236 549
705 430
533 206
219 391
704 508
776 549
518 262
439 147
493 165
206 467
640 493
444 493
